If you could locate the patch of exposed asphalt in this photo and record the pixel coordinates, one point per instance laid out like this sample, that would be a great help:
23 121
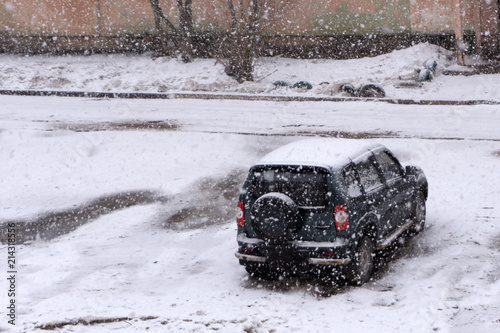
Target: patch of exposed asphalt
50 225
496 153
89 322
210 201
351 135
381 135
153 125
199 325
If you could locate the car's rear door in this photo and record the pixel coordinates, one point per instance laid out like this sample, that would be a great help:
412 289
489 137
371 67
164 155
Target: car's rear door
373 188
398 192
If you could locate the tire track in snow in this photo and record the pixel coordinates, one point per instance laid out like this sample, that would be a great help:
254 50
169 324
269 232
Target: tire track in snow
50 225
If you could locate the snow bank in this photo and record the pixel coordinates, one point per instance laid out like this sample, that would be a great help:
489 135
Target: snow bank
142 73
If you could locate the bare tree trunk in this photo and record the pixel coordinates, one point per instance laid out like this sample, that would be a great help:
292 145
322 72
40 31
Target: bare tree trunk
98 12
155 6
183 36
160 17
240 47
159 21
185 41
248 20
240 57
232 12
459 38
477 6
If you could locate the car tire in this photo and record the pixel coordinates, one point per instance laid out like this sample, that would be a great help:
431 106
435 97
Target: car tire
371 91
275 218
360 269
349 89
418 215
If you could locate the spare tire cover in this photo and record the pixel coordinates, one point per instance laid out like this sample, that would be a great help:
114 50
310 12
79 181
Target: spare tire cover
275 217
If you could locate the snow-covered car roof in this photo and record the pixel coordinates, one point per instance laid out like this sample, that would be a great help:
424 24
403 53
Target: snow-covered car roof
326 153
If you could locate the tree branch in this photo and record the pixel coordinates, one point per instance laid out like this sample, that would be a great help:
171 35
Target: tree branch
160 17
232 12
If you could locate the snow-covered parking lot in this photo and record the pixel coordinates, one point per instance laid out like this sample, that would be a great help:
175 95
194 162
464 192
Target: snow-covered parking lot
167 264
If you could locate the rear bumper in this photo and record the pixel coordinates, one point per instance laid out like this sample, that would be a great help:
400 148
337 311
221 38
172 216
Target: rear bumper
252 250
311 261
251 258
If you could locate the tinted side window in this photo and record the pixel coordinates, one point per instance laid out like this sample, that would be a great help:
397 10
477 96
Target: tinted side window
390 169
368 175
351 182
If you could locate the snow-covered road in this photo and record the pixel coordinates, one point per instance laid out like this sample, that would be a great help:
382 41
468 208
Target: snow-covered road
139 267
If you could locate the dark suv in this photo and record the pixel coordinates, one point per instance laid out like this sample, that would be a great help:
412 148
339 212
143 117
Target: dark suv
326 203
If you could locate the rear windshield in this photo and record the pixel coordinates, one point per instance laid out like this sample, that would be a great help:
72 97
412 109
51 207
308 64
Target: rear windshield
307 187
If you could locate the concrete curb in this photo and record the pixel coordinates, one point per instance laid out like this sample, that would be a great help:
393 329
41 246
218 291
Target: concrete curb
133 95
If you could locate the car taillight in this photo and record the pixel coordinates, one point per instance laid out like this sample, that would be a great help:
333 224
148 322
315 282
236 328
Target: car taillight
341 218
240 214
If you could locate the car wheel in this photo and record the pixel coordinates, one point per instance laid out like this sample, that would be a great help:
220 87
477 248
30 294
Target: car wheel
418 215
372 91
360 269
275 218
349 89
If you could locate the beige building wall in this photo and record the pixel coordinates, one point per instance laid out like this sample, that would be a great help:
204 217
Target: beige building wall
126 16
75 17
437 15
47 17
318 17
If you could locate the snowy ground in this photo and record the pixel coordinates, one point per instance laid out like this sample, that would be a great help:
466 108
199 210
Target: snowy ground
132 73
168 264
